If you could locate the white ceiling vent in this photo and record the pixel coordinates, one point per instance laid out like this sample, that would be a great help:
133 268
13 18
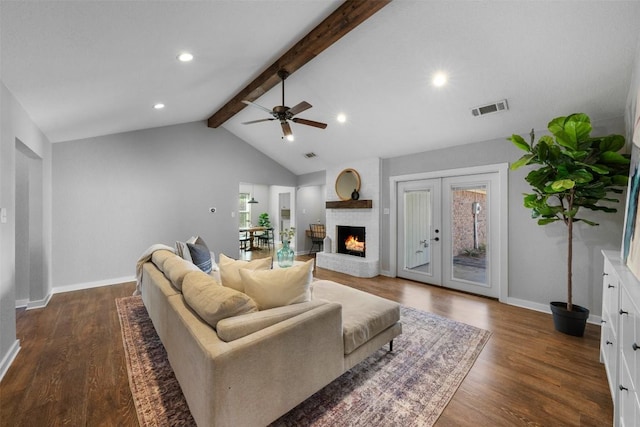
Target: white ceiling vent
496 107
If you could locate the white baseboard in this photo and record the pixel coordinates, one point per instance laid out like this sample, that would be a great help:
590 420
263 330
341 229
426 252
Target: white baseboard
22 303
39 303
544 308
8 359
89 285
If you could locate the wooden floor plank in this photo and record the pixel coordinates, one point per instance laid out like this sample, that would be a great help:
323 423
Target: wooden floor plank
71 367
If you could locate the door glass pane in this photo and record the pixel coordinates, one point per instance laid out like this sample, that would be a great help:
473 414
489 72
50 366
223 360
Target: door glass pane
469 233
417 230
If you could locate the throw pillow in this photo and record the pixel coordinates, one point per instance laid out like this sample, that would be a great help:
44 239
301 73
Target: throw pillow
212 302
229 270
200 255
183 251
279 287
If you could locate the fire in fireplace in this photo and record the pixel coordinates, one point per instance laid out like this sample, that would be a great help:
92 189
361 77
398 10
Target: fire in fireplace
351 240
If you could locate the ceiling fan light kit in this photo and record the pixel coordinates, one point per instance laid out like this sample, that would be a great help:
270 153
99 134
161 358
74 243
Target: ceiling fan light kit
284 114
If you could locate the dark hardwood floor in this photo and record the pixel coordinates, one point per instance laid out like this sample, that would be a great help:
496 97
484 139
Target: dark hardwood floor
71 368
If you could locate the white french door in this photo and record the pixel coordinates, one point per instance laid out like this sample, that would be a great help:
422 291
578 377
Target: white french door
449 232
418 230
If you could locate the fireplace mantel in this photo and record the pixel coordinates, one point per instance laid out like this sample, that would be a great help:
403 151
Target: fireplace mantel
349 204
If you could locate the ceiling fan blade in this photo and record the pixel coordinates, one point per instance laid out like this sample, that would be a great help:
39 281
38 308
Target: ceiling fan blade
286 129
253 104
299 108
256 121
309 123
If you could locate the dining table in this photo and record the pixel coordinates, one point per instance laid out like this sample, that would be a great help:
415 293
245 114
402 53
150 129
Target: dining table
252 230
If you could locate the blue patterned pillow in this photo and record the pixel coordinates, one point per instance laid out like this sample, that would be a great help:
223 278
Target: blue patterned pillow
200 255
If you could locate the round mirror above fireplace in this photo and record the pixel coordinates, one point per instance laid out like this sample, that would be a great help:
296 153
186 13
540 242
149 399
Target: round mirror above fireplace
348 180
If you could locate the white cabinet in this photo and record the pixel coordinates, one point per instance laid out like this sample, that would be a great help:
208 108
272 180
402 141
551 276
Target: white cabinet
620 338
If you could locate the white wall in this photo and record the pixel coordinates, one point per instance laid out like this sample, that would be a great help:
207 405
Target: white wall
537 255
17 128
116 195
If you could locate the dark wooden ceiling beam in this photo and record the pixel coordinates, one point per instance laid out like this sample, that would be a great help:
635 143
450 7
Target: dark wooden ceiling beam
344 19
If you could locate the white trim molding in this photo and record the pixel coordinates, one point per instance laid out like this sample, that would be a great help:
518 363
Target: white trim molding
503 172
9 358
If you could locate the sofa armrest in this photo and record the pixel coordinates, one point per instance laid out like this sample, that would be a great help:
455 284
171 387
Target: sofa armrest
232 328
286 362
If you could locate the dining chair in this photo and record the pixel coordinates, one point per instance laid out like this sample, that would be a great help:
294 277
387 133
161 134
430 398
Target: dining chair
318 233
266 238
244 240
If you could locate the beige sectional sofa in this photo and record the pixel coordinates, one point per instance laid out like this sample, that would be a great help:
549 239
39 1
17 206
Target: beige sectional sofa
249 369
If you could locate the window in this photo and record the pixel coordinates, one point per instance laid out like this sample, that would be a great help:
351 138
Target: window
244 210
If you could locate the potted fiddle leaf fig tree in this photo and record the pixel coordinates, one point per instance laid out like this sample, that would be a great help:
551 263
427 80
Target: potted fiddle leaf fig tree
576 174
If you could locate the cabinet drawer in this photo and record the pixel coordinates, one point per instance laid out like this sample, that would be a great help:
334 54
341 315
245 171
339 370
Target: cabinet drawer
627 399
608 352
627 337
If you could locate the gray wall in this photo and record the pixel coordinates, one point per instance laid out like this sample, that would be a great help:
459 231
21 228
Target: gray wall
310 206
116 195
537 255
18 132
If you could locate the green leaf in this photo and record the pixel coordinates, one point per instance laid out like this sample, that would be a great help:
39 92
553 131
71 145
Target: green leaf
613 157
543 151
524 160
545 221
581 176
612 143
519 142
570 131
577 155
586 222
621 180
556 125
562 185
601 169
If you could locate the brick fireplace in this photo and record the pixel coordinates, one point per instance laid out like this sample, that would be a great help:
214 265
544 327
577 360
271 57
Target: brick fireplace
366 263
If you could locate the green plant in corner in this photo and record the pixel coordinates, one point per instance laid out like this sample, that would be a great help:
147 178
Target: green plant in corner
264 221
577 171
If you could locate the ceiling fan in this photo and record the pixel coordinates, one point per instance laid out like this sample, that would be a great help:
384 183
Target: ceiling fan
284 113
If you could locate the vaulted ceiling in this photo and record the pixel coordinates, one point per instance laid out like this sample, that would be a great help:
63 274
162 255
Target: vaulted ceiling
89 68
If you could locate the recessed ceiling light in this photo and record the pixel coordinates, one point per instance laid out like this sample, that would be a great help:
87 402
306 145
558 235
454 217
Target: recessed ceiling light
341 118
185 57
439 79
158 106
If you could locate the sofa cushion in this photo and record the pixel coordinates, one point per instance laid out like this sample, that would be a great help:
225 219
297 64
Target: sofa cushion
363 315
229 270
236 327
176 268
279 287
159 257
213 302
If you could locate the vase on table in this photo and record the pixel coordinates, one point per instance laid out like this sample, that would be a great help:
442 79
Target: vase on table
285 255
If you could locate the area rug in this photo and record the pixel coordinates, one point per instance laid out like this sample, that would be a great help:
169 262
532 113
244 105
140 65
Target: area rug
410 386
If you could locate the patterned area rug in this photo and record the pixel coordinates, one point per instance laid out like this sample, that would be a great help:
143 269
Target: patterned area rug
409 387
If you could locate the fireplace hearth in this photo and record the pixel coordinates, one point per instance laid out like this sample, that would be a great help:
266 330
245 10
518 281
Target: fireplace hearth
351 240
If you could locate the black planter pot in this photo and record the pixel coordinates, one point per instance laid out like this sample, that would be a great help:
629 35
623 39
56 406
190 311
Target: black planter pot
569 322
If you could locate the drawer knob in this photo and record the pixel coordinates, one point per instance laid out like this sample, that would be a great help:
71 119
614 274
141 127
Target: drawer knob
603 321
610 286
635 347
623 312
623 388
605 274
609 343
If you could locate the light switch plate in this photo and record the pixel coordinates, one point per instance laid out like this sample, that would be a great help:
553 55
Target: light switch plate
3 215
